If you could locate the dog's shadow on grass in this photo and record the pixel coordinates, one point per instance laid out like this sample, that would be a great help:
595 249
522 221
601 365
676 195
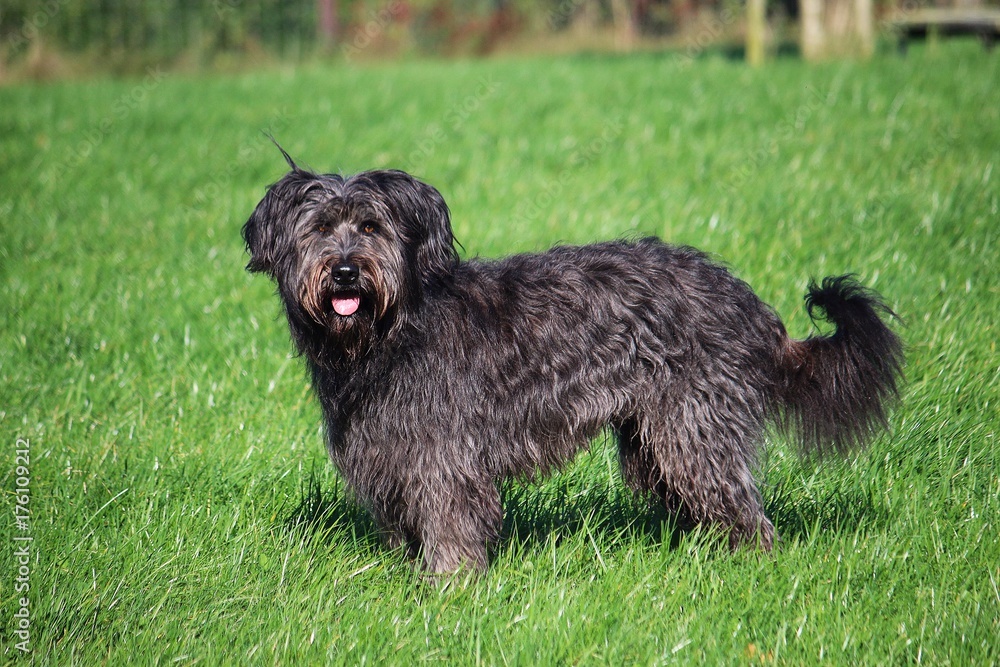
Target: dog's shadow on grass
800 513
331 513
535 515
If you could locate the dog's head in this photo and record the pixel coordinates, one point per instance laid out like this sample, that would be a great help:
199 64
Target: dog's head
347 253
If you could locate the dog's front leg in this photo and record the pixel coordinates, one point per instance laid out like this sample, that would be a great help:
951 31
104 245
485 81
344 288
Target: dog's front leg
459 519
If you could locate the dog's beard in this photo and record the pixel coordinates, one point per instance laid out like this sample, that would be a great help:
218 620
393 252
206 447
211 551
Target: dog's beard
348 317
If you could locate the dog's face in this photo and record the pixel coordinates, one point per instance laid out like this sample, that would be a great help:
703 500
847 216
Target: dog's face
349 253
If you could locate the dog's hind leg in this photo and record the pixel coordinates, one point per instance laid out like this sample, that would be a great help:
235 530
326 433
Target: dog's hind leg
701 468
642 473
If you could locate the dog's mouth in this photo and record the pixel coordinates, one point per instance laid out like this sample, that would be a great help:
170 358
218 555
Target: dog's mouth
345 304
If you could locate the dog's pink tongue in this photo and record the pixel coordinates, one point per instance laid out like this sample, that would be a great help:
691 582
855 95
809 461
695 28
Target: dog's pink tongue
346 307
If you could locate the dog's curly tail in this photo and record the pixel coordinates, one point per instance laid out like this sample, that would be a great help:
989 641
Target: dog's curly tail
838 389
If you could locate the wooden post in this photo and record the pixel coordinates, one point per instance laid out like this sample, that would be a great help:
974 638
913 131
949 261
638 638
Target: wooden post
328 23
757 32
812 38
625 30
864 19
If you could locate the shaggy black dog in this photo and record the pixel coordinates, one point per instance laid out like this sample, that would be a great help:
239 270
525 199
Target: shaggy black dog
439 377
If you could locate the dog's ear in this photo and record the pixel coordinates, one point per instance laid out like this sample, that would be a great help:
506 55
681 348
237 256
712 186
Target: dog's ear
426 222
267 230
260 236
436 254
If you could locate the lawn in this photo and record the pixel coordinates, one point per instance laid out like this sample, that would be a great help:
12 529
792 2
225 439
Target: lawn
175 489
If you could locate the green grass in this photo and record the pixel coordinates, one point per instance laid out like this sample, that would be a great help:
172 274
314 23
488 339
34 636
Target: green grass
183 510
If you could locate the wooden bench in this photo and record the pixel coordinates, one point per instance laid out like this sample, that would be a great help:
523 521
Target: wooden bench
933 22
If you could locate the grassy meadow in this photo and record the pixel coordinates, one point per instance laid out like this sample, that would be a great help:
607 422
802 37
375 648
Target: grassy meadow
175 490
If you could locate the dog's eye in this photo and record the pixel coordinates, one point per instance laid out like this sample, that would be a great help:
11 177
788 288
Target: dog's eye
323 229
369 227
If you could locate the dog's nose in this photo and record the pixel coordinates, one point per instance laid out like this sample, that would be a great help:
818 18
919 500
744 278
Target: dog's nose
345 274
